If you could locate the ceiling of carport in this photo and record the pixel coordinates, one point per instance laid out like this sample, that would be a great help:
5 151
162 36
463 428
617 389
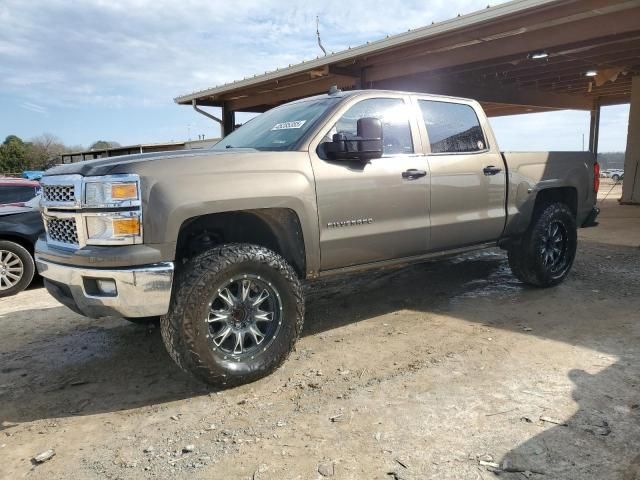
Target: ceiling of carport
486 55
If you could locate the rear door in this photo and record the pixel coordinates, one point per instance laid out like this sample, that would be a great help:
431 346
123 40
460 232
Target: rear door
373 211
468 177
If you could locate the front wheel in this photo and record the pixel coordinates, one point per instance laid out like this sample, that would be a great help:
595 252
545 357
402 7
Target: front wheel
545 254
236 313
17 268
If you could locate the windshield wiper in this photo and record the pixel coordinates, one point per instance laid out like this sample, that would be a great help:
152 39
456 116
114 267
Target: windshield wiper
229 146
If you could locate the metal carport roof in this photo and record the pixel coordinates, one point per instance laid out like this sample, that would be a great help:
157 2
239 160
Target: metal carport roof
486 55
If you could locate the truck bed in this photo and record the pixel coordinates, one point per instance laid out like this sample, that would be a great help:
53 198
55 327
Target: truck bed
533 171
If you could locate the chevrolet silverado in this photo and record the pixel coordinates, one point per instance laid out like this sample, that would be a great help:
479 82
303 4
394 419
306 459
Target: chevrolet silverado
216 243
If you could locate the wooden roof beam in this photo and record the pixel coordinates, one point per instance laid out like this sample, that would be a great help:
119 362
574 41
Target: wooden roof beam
488 93
281 83
560 76
313 87
618 22
569 68
555 14
583 51
576 80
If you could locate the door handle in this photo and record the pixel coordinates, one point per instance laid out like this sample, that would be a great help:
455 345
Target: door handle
491 170
413 173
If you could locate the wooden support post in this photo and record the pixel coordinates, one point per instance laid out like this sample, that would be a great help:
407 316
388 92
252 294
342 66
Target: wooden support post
361 81
594 130
228 120
631 183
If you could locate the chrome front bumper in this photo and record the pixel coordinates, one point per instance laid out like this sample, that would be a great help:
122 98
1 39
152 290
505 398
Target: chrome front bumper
140 292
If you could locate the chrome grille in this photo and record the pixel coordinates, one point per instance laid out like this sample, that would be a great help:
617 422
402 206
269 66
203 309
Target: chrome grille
58 193
63 230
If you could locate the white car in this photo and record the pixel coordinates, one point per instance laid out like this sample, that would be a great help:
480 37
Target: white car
616 174
610 172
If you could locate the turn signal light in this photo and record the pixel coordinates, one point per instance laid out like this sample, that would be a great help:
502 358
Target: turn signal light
124 191
126 226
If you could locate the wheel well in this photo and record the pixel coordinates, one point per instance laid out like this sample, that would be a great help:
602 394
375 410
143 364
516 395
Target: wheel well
20 241
277 229
566 195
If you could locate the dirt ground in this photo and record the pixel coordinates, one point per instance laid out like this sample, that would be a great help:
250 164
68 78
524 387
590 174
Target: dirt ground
443 370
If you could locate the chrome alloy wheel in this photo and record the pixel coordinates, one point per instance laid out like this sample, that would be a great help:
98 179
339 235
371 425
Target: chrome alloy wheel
11 269
244 316
554 247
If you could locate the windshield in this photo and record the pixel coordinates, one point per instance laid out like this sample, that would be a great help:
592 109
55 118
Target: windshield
10 194
278 129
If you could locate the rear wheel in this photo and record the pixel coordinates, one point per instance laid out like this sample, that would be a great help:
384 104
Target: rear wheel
545 254
236 313
16 268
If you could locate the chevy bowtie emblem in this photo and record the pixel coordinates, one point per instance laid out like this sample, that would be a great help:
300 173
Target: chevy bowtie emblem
350 223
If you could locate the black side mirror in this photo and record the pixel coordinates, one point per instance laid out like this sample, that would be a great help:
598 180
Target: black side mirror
366 145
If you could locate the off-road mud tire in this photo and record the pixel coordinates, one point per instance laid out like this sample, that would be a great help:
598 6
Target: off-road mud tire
184 329
525 259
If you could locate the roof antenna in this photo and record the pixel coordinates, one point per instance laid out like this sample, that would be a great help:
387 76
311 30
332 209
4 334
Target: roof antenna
318 34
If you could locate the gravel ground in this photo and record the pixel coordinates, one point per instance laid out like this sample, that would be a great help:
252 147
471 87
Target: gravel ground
443 370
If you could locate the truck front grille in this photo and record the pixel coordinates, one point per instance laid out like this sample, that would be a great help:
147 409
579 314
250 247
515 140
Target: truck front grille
59 193
63 230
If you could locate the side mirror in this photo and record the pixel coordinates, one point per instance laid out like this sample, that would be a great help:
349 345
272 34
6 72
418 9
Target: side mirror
366 145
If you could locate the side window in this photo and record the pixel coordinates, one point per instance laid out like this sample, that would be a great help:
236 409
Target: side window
394 115
452 127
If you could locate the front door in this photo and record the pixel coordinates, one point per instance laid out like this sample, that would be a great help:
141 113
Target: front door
376 210
468 175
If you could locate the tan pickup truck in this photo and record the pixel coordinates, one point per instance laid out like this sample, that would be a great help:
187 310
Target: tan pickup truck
217 242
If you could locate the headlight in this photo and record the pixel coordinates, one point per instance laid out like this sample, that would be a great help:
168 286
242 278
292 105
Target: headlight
121 228
112 191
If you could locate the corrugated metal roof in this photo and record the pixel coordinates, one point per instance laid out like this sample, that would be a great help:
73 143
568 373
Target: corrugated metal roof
447 26
138 146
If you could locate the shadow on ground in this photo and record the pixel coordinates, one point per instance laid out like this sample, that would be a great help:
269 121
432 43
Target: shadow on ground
76 366
80 367
606 426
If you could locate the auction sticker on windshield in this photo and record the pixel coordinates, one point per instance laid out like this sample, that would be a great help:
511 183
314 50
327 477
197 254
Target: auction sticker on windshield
289 125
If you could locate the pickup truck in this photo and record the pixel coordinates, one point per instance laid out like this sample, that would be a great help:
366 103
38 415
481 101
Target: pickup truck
216 243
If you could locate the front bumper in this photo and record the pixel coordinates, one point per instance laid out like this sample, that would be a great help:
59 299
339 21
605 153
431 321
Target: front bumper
139 292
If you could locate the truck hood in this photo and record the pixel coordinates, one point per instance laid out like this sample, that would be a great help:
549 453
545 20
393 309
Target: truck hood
132 163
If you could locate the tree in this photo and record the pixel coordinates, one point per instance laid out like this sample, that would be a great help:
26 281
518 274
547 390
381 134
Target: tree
12 138
103 144
12 155
39 153
43 150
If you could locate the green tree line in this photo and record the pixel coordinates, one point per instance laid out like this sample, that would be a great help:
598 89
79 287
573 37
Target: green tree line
39 153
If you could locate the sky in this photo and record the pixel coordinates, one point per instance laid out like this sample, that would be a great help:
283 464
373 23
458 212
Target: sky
109 69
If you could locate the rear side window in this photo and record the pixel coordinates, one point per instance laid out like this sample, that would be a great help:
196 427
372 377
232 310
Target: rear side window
394 115
452 127
16 194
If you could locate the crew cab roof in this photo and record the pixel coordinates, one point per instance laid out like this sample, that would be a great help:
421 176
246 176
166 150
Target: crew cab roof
350 93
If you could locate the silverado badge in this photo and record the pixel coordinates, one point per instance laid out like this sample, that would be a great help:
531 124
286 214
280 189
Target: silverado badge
350 223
